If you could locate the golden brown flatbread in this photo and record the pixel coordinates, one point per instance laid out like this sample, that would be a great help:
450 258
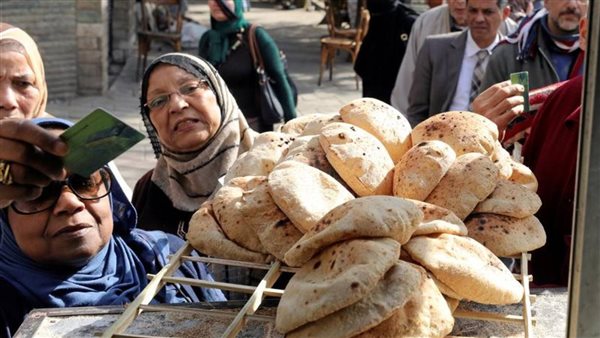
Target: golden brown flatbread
372 216
381 120
420 170
305 194
340 276
465 132
398 286
206 236
510 199
426 314
359 158
470 179
467 267
506 236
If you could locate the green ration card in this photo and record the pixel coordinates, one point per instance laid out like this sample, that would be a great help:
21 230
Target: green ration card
97 139
522 78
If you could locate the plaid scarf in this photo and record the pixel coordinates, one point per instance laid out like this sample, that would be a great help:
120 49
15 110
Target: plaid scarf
525 37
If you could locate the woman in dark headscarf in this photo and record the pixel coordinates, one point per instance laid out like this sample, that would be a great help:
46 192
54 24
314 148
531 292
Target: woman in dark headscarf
226 47
383 47
80 247
197 132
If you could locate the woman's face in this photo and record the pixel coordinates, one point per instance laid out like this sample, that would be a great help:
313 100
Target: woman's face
69 233
216 12
186 122
19 95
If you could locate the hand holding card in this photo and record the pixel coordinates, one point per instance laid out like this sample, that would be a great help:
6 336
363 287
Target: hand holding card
522 78
97 139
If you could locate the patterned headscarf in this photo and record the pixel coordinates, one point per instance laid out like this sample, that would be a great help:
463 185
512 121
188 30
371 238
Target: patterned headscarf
214 44
34 59
190 178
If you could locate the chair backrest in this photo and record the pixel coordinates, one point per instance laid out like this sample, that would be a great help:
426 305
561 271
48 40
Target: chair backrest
161 16
363 27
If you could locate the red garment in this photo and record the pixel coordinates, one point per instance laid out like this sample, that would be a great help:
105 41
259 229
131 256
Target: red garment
551 153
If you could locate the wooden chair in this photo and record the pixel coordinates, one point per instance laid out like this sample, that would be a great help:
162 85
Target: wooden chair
150 30
331 44
333 26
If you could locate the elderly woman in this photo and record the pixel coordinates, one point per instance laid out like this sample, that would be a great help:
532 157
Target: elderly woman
77 245
226 46
197 132
23 95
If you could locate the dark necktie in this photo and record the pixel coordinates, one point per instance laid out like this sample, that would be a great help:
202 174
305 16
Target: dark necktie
478 73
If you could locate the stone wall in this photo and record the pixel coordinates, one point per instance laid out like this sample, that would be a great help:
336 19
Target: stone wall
92 46
52 25
73 38
123 30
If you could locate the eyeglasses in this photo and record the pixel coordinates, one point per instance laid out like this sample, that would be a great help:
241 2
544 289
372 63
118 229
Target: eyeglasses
93 187
188 89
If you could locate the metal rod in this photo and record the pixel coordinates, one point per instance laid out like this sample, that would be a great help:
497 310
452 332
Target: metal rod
584 289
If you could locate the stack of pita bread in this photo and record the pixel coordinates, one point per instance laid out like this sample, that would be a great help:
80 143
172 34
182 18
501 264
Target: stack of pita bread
387 225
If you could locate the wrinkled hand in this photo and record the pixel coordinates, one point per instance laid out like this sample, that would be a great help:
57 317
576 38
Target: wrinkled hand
500 103
34 155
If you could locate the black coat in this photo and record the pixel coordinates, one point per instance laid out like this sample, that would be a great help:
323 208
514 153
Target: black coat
383 47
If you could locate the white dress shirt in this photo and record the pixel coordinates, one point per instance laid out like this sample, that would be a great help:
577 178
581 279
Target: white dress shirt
463 87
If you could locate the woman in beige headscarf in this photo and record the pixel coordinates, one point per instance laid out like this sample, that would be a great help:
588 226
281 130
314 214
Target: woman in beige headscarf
197 132
29 155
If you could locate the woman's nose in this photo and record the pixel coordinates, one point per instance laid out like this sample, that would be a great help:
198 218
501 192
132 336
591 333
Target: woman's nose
8 99
177 103
68 203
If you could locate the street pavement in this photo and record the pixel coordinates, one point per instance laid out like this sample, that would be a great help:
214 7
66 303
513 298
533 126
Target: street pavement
296 31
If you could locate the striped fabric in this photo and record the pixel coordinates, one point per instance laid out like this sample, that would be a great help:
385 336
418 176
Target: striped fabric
478 73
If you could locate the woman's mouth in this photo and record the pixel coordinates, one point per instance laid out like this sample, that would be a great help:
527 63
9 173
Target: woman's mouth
185 125
73 230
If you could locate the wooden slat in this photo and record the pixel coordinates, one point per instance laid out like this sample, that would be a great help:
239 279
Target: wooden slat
148 293
520 276
219 285
237 263
254 301
526 300
210 312
491 316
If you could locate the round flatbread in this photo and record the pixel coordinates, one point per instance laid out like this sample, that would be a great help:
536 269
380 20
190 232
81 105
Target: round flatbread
262 157
314 127
381 120
359 158
206 236
438 220
276 232
372 216
506 236
502 160
296 126
420 170
226 204
465 132
467 267
470 179
340 276
305 194
399 285
522 175
426 314
510 199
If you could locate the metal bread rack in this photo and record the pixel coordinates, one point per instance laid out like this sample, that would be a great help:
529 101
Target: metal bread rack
264 288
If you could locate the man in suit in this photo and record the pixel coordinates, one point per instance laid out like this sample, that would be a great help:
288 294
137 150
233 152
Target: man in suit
450 17
450 67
